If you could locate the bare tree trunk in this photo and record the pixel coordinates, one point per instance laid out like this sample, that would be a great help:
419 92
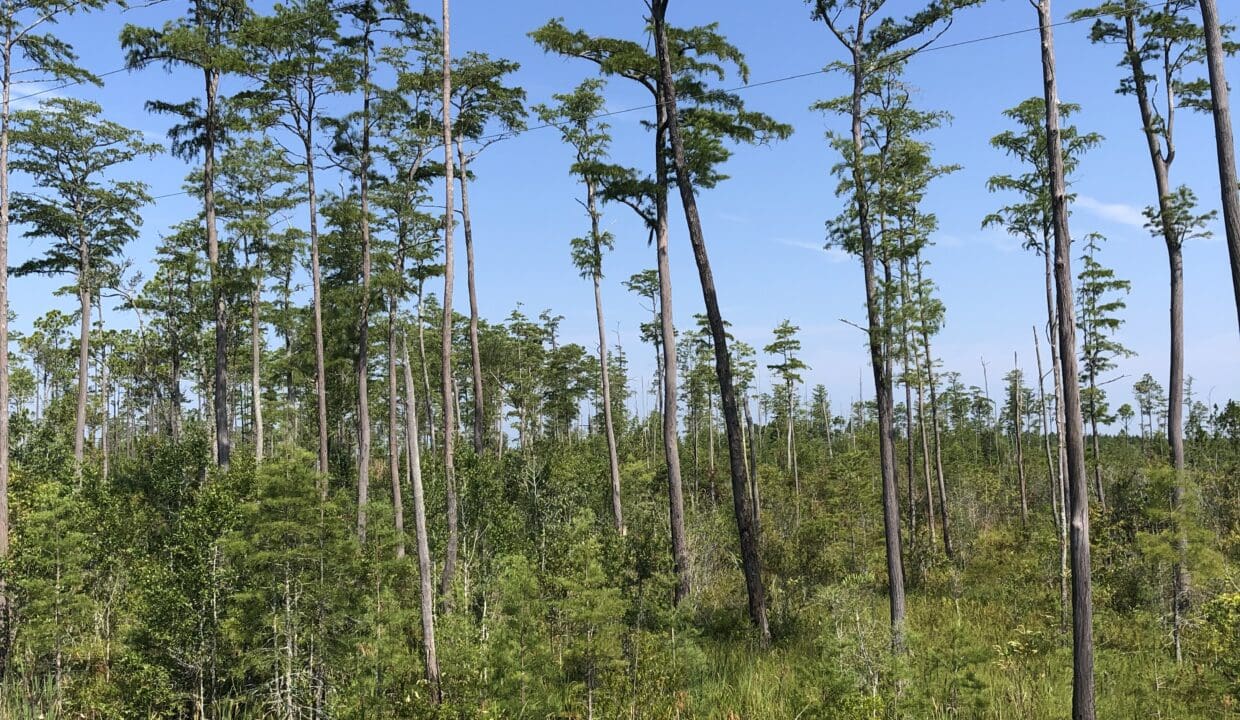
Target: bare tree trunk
1093 436
223 427
671 443
362 365
6 86
83 383
474 356
905 331
1175 435
925 455
750 558
426 373
394 428
1082 607
1055 490
449 276
754 496
1161 162
104 394
256 359
948 548
426 590
613 457
1017 409
316 276
1221 107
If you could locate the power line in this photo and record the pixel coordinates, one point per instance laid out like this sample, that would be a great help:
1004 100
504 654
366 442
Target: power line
507 135
798 76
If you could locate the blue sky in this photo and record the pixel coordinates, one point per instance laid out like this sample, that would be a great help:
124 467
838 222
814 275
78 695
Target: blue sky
764 226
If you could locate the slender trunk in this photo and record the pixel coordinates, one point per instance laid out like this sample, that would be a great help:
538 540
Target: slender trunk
445 356
426 589
174 351
426 373
671 443
256 358
1161 162
83 382
316 277
613 458
1093 437
878 360
222 425
6 87
1221 107
362 366
1017 409
394 428
104 394
948 548
1175 434
1060 478
925 454
1055 490
750 558
475 357
905 331
1082 607
754 496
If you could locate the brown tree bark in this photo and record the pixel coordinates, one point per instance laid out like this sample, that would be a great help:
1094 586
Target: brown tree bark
1223 139
1073 430
445 352
750 559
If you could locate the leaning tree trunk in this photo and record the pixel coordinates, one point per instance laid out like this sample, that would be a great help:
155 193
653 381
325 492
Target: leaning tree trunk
613 458
475 357
445 351
426 589
79 424
1082 604
750 559
1221 106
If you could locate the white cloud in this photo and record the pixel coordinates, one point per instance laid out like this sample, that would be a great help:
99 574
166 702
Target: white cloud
834 254
1119 213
